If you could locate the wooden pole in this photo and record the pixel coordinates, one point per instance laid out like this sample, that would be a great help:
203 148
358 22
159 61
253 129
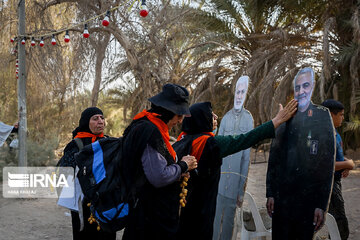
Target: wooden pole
22 87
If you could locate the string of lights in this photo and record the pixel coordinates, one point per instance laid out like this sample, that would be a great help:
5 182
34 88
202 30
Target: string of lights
144 11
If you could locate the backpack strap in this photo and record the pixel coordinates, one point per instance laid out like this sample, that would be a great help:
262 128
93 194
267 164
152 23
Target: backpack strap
79 143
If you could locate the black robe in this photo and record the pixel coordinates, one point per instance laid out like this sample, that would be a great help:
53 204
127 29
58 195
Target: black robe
154 214
197 217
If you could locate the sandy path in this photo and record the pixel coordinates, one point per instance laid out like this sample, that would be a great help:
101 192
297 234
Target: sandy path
43 219
351 191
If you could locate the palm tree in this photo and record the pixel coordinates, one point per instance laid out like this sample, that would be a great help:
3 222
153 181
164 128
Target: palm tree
275 38
267 45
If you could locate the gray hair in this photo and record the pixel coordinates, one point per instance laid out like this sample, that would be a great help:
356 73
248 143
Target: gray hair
243 79
303 71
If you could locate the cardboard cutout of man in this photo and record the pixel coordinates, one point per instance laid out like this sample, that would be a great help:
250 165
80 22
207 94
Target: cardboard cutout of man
233 172
301 165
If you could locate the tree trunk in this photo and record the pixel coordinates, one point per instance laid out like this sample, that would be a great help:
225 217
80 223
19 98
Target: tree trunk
101 46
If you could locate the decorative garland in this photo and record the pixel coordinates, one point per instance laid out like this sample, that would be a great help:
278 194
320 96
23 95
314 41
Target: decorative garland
144 11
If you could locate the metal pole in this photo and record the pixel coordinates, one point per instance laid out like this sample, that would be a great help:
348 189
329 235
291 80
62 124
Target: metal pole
22 87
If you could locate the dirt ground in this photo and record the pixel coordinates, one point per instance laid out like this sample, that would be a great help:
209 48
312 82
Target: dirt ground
32 219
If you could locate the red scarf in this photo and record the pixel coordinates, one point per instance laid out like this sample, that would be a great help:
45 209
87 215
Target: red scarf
198 144
88 135
162 127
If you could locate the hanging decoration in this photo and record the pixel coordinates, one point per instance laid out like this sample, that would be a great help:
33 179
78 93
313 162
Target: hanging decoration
106 20
41 44
144 11
67 36
53 40
86 33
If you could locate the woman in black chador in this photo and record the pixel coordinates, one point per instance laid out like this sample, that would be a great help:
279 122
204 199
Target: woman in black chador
150 162
91 128
197 139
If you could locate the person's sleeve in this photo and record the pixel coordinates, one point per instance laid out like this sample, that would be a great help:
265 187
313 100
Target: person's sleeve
272 173
339 150
156 170
231 144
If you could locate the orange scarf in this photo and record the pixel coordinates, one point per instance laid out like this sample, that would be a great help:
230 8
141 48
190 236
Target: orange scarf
162 127
88 135
198 144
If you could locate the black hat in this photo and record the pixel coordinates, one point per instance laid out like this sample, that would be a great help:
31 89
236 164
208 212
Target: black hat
85 119
173 98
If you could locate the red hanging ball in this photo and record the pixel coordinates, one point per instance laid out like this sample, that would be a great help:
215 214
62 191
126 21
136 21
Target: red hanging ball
41 43
67 39
86 33
106 22
32 43
53 40
12 40
144 12
23 42
67 36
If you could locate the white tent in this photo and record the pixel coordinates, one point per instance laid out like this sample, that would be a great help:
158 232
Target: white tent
5 131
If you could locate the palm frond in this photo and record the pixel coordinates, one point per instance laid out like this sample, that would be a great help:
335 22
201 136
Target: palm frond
352 125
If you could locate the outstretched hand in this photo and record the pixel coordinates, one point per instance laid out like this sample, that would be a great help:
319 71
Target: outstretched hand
285 114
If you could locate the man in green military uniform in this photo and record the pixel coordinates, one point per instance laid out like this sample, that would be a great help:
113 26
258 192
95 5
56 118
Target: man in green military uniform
301 165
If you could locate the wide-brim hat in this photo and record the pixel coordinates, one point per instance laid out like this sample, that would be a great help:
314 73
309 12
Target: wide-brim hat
174 98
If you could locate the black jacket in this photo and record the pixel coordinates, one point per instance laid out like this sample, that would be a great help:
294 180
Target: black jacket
155 212
301 161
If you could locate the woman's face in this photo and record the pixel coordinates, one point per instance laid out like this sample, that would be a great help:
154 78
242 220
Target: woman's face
215 123
97 124
177 119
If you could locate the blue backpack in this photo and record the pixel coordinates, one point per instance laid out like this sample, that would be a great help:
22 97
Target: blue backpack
102 184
